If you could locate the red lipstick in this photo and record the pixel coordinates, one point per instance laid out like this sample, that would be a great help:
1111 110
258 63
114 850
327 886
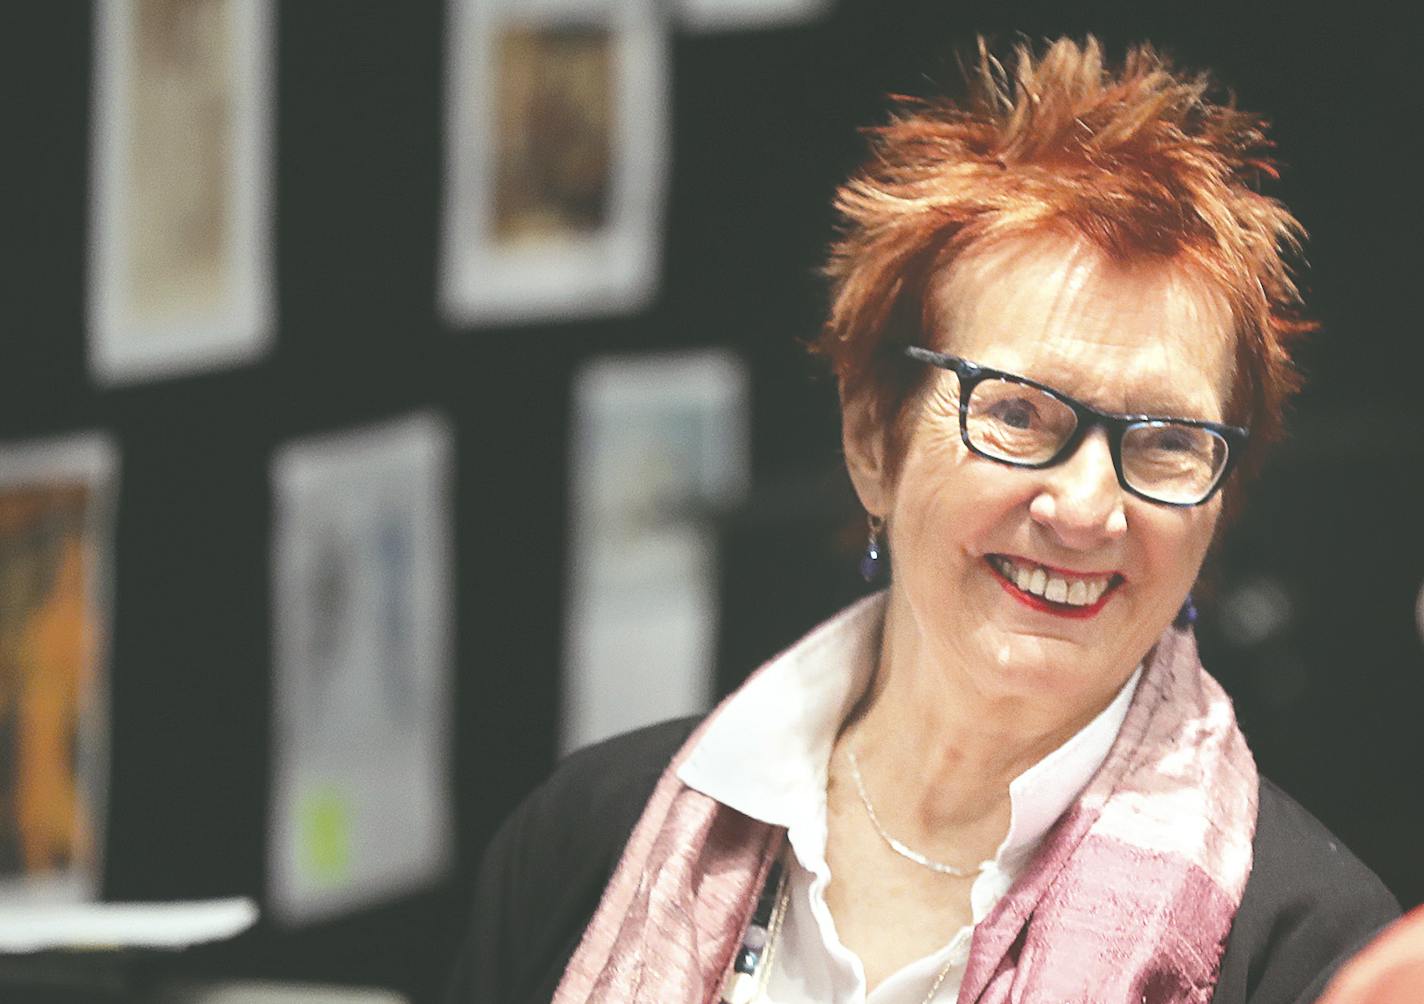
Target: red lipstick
1048 606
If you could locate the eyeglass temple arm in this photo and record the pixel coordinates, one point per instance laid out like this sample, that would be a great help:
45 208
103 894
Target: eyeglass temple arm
943 360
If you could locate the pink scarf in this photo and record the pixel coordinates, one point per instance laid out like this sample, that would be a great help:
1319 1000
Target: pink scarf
1129 899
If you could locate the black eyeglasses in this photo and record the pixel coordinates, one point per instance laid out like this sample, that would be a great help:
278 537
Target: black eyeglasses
1023 423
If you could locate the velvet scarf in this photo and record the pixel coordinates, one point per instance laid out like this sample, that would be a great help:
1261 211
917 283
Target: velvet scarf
1129 899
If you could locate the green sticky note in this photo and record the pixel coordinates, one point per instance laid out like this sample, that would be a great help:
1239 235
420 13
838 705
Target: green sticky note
325 833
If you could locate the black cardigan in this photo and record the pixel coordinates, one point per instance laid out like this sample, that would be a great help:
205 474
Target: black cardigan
1308 904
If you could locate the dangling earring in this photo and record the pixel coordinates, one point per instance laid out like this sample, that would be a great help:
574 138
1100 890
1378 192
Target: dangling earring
875 563
1187 615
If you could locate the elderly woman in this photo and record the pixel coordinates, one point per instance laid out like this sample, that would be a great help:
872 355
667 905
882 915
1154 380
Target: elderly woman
1060 321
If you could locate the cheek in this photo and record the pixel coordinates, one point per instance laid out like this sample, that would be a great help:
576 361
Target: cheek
924 517
1205 520
931 458
1178 543
953 506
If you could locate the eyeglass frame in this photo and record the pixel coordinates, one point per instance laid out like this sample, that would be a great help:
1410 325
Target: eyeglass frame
1088 418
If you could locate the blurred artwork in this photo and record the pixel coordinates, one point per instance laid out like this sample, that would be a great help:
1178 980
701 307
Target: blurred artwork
362 649
56 509
1419 612
555 133
179 244
556 139
659 453
731 15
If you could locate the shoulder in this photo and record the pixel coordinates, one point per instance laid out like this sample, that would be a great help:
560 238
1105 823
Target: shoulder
1308 905
576 823
543 873
604 786
1297 858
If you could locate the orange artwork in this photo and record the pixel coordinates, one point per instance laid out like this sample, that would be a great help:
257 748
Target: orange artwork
46 674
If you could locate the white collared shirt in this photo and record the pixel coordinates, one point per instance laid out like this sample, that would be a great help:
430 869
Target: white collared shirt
767 755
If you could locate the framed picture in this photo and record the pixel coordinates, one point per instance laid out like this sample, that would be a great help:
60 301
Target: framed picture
57 509
732 15
556 153
180 268
659 451
361 608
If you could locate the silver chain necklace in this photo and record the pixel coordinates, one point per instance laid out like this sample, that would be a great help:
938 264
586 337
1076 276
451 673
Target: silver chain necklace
895 845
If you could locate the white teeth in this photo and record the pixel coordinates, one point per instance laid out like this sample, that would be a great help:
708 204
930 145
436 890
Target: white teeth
1054 588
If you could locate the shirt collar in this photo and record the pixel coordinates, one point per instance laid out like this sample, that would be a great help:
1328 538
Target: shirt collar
766 749
765 752
1041 794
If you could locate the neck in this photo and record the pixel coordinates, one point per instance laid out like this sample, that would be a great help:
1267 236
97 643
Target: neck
952 749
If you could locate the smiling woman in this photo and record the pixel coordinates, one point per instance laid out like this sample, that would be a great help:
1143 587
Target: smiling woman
1061 317
1050 308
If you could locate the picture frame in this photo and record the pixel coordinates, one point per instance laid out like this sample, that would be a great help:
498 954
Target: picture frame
180 243
58 506
362 613
709 16
556 132
659 453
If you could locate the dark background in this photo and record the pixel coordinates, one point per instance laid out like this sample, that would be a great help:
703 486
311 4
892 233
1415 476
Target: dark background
763 126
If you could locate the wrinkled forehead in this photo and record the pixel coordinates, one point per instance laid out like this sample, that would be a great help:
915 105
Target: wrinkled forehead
1136 335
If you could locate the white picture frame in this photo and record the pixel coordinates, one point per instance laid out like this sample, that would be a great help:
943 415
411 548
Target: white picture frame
711 16
659 452
556 156
58 508
362 614
180 215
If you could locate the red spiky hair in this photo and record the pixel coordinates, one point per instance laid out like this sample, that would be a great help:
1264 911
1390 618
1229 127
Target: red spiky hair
1137 160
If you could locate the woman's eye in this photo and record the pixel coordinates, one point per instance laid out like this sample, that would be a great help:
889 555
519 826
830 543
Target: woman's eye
1173 441
1017 414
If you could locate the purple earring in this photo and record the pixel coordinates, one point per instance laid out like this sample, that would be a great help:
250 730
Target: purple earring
875 563
1187 615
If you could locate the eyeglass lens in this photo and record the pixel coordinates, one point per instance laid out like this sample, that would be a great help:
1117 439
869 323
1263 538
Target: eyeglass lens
1164 460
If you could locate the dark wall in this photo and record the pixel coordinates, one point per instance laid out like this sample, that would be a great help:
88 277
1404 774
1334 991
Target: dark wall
764 125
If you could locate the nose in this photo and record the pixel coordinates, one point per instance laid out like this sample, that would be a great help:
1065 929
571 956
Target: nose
1080 501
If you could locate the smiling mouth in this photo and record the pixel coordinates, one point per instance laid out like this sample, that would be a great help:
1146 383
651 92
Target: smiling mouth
1053 590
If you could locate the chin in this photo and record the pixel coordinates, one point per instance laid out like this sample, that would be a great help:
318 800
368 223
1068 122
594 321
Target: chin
1045 669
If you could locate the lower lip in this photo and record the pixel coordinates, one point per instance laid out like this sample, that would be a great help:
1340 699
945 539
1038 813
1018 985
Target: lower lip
1056 609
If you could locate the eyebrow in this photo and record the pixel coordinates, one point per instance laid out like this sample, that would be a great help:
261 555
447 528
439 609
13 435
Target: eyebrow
1175 407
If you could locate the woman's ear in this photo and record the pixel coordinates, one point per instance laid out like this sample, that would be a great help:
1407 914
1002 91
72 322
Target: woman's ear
864 439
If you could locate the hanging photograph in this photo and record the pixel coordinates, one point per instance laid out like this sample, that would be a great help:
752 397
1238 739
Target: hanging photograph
57 504
659 453
180 268
747 15
556 136
361 608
